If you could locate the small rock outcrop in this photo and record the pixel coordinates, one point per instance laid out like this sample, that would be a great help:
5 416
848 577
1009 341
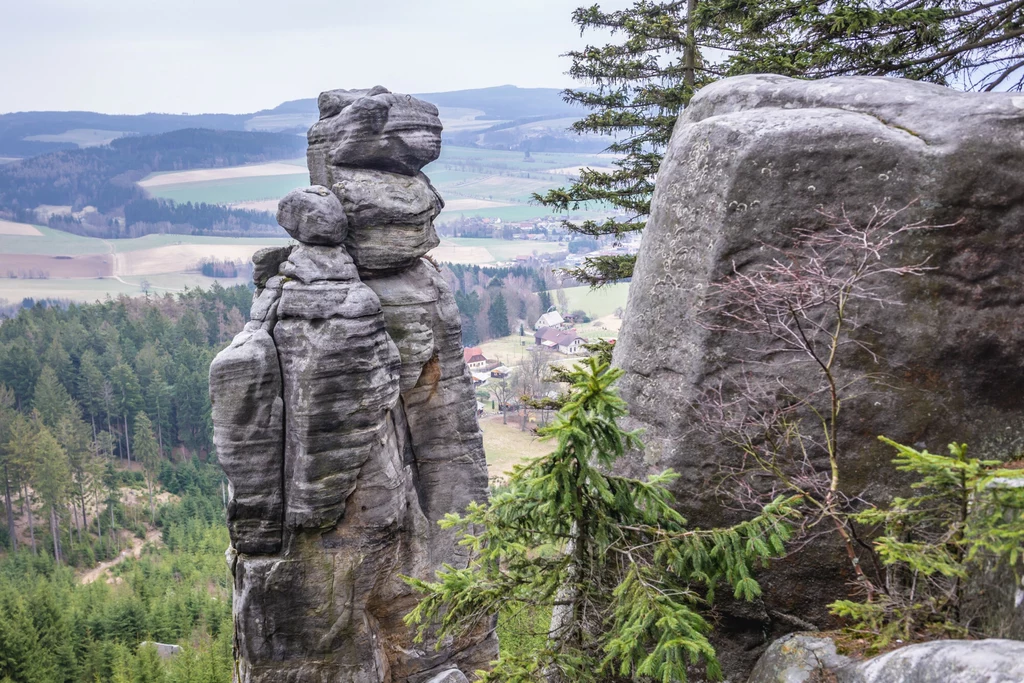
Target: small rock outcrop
755 158
344 416
809 658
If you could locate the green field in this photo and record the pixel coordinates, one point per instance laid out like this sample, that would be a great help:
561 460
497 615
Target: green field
598 302
59 243
83 137
52 243
460 173
506 250
232 191
506 445
153 241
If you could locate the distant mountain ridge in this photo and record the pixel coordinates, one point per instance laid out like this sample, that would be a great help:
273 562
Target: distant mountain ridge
25 134
504 102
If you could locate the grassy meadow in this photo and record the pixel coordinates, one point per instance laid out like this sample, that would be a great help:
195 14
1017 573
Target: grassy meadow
507 179
474 182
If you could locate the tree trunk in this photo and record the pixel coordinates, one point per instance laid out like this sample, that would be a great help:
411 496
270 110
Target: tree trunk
564 618
690 49
31 522
152 509
127 444
55 532
9 507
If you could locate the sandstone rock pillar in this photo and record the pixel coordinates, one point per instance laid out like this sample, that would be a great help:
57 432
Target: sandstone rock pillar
344 414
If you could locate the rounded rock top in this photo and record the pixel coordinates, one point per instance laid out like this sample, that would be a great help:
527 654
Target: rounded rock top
377 129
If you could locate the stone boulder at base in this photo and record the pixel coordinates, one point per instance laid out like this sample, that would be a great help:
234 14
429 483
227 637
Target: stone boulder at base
944 661
798 658
809 658
754 159
345 418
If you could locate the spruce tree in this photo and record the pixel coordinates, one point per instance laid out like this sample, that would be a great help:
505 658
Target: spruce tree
497 317
664 51
621 574
963 519
50 399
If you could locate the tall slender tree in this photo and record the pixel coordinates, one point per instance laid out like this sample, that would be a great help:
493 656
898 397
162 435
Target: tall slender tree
147 452
51 478
7 415
128 399
21 455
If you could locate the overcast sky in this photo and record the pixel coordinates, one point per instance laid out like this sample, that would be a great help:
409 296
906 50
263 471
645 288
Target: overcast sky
236 56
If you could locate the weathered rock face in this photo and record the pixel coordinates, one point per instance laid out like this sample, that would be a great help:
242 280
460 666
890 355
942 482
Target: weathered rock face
751 160
344 415
373 129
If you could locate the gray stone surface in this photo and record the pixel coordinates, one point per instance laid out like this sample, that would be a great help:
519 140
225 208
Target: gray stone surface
753 158
373 129
371 414
449 676
390 217
379 198
806 658
248 424
310 263
266 261
391 248
313 215
944 661
798 658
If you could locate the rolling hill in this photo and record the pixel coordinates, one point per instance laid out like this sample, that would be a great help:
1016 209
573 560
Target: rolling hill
480 110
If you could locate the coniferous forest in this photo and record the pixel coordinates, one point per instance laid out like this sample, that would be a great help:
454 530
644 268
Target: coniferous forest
113 531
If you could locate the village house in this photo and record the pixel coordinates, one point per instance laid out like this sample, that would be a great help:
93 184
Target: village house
474 358
549 319
563 341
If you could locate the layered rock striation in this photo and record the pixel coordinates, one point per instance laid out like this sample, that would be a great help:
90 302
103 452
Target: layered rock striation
344 415
753 160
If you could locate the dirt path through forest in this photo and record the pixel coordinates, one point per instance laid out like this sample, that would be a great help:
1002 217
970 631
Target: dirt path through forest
134 551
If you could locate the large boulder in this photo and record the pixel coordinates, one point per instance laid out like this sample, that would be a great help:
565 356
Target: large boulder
944 661
751 161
